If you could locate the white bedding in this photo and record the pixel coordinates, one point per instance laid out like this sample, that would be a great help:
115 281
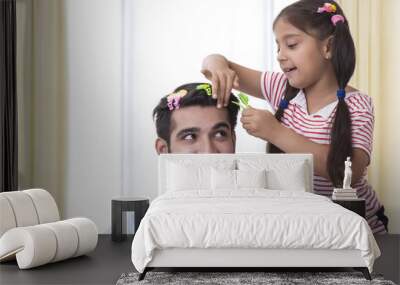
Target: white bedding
252 218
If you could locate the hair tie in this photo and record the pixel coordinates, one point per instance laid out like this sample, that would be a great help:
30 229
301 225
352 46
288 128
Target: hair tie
331 8
283 104
341 93
337 18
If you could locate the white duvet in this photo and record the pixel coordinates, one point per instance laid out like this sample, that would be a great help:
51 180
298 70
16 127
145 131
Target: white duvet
250 219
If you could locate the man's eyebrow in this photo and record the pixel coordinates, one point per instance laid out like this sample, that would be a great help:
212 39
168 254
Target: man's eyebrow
221 125
187 130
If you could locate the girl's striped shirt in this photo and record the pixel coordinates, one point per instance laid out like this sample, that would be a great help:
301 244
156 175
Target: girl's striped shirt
316 127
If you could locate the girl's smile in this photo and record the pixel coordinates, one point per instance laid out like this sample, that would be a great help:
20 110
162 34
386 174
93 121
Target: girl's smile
290 72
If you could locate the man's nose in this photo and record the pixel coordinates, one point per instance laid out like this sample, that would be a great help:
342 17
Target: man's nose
208 146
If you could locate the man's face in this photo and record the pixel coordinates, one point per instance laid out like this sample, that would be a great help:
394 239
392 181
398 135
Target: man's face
199 129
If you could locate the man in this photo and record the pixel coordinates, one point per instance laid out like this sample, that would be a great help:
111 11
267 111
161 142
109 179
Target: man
188 121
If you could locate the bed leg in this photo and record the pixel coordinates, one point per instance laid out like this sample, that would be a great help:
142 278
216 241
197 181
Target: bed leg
364 271
143 274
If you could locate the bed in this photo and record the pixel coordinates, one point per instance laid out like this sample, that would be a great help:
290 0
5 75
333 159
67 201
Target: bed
245 211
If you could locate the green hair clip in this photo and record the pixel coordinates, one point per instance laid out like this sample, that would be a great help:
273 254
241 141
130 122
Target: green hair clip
243 101
243 98
205 87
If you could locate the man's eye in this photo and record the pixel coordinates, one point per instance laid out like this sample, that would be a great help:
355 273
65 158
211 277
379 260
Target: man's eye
220 134
189 137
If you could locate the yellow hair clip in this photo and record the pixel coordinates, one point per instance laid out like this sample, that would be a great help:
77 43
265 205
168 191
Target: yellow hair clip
179 93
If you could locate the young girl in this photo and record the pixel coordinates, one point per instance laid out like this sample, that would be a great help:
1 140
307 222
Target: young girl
316 111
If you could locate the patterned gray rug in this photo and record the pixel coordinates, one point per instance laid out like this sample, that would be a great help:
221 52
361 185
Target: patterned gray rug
230 278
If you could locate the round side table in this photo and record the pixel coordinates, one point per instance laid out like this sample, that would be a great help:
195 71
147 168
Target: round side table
119 205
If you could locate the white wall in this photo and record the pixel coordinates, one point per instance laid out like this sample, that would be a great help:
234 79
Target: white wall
93 91
165 50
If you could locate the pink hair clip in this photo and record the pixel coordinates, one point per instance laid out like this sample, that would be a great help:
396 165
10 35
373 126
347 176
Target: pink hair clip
328 7
173 103
337 18
174 98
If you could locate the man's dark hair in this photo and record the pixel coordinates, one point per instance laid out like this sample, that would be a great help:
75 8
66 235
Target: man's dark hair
194 97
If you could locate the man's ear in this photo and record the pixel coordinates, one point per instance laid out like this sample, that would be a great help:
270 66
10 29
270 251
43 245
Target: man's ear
327 47
161 146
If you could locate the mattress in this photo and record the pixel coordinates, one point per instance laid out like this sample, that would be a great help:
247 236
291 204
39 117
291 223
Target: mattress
250 219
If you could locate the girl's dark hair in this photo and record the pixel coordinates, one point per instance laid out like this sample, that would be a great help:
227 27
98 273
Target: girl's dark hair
303 15
194 97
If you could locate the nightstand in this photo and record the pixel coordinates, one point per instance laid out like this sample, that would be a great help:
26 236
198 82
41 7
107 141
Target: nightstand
356 205
126 204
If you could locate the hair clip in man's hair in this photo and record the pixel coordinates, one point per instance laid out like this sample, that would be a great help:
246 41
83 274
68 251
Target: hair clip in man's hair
206 87
328 7
173 103
174 98
179 93
243 101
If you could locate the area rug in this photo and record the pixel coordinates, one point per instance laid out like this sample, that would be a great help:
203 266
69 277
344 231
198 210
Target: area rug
243 278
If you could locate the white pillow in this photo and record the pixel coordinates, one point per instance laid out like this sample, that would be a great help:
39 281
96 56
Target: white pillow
227 179
293 179
251 178
223 179
281 174
181 177
186 174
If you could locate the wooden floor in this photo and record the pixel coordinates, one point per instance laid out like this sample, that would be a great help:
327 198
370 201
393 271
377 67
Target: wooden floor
111 259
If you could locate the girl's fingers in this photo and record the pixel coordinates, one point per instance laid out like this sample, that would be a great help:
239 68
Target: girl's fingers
247 127
222 84
247 112
221 90
245 120
215 86
236 81
206 73
228 89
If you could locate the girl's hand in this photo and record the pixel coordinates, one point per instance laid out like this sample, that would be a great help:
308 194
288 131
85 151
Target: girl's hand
216 68
259 123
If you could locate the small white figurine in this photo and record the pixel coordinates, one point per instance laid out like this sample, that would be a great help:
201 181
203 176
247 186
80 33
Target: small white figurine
347 174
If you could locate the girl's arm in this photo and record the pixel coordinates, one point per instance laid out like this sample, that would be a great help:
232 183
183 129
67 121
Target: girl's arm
291 142
225 75
264 125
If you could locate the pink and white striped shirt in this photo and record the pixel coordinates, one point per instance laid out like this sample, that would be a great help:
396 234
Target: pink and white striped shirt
316 127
